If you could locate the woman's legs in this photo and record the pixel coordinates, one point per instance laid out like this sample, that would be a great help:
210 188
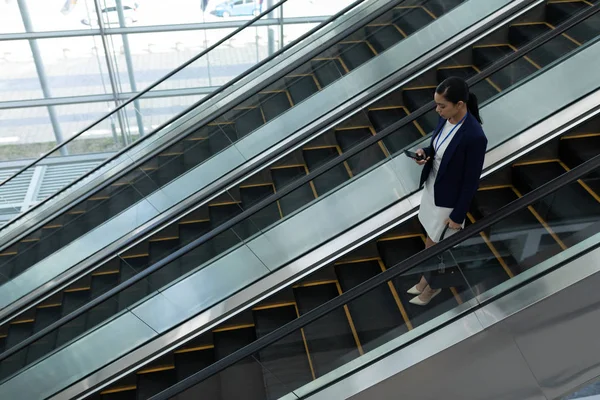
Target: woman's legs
427 293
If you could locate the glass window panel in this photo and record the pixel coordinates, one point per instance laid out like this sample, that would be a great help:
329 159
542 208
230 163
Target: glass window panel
59 15
19 79
311 8
10 17
75 66
25 133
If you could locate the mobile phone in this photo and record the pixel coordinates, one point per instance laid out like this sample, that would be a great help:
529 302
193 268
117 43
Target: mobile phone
414 155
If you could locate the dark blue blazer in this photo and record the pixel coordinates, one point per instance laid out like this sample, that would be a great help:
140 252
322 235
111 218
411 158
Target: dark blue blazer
458 177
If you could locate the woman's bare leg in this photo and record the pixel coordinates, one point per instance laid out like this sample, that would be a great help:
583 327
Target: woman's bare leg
422 285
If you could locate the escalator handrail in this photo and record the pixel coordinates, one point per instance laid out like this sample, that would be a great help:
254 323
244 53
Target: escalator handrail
290 188
388 275
176 117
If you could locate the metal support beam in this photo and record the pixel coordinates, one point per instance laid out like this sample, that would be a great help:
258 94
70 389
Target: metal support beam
270 32
34 187
129 62
39 66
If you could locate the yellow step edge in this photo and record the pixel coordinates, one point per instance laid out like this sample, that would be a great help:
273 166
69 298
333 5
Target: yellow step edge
156 369
536 162
580 136
112 272
164 239
457 66
315 283
273 91
135 255
484 46
494 187
358 261
76 212
532 23
173 153
22 321
320 147
52 305
274 305
119 389
289 166
570 1
194 221
224 203
221 123
55 226
387 108
419 88
30 240
349 128
81 289
234 327
99 198
8 253
253 185
196 139
246 108
400 237
197 348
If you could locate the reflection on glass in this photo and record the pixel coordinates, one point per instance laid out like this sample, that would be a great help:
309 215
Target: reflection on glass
25 133
19 80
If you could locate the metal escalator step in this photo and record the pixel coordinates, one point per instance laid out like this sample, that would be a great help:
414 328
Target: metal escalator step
188 363
287 359
557 12
381 118
441 7
244 380
354 54
412 18
199 255
350 137
159 250
327 71
586 30
254 194
484 56
274 103
152 383
513 73
129 268
376 315
283 176
247 120
382 37
330 340
522 33
394 250
301 87
315 157
577 150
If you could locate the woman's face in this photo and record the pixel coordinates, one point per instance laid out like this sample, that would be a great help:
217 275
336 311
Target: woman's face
445 108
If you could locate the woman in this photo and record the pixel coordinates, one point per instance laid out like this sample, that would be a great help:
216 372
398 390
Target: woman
453 163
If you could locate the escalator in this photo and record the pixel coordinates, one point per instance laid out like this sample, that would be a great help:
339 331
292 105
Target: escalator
282 174
50 248
490 258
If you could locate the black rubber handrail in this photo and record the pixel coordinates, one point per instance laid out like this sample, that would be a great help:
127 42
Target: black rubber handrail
290 188
176 117
383 277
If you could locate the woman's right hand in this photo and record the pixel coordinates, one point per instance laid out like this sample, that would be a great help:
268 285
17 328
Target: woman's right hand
424 158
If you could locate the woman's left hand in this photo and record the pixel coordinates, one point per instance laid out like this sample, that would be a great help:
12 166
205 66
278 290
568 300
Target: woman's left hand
453 225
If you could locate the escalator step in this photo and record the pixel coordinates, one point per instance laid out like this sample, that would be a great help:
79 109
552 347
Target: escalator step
462 71
191 362
480 266
521 34
253 195
384 117
287 359
247 120
274 104
170 167
484 56
330 340
298 198
394 251
200 254
327 71
412 18
244 380
586 30
561 11
301 87
376 315
153 383
551 51
331 179
509 235
226 240
355 54
382 37
122 395
576 151
129 268
513 73
348 138
441 7
417 97
159 250
558 210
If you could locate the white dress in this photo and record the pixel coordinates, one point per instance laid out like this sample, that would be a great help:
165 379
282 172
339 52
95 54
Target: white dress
431 216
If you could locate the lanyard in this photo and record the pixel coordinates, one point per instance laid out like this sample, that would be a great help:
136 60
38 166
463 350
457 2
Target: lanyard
437 144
